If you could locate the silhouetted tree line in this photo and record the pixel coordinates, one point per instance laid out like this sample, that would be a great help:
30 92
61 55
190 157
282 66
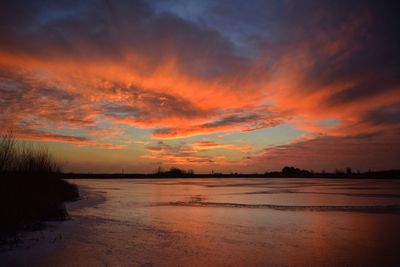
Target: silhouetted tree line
286 172
294 172
32 188
174 172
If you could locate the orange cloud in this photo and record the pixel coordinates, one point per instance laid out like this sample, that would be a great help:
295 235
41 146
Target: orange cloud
188 154
180 155
207 145
34 135
180 79
248 122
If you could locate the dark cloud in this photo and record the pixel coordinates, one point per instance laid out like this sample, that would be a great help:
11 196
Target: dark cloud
384 115
97 30
146 106
369 56
363 90
236 122
201 67
253 121
332 153
24 97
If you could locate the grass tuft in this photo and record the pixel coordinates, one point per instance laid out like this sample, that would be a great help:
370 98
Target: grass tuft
31 187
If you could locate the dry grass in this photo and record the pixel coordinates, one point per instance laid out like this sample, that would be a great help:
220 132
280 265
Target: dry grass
23 158
31 186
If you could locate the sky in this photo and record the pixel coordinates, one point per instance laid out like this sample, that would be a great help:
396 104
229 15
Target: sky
223 86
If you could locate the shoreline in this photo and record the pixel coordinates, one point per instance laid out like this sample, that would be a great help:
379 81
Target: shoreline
32 246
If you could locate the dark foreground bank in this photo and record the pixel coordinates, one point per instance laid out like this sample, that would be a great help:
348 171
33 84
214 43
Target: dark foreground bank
31 187
25 202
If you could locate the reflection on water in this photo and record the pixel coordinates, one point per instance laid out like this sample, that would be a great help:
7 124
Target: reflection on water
234 222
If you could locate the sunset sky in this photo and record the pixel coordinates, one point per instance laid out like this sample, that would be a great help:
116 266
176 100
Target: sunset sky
224 86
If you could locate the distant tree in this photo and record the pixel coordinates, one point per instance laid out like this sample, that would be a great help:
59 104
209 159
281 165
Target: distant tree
339 172
292 172
176 171
288 170
159 170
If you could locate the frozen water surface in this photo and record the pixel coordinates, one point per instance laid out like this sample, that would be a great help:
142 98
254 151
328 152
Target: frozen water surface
230 222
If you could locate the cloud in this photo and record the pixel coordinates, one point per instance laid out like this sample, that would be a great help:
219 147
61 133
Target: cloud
36 135
71 66
361 152
145 108
388 115
250 122
191 153
208 145
180 155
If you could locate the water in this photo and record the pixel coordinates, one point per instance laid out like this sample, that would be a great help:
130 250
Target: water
232 222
